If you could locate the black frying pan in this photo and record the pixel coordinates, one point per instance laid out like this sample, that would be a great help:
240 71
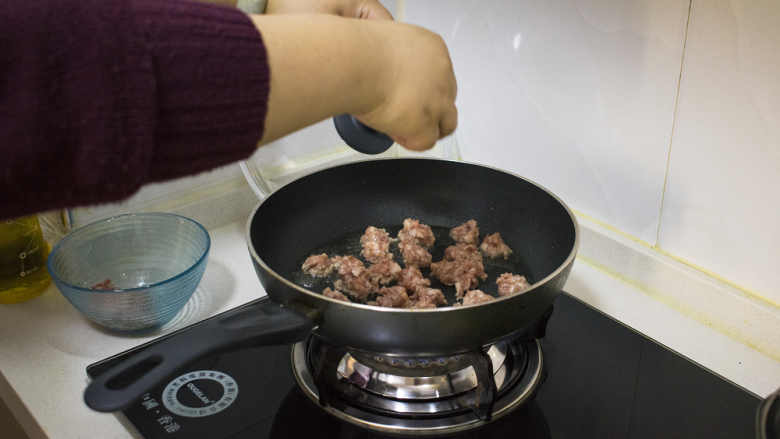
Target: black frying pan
330 209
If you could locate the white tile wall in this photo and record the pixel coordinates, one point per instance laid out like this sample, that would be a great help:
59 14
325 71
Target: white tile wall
722 206
152 195
583 97
391 6
576 95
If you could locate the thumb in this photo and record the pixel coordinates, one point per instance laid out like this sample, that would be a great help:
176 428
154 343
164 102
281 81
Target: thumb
421 142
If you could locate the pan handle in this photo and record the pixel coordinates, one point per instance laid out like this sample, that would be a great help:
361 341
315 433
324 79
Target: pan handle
361 137
251 326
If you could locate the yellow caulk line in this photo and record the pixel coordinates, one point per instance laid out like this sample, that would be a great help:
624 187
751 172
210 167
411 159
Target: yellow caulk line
657 248
710 321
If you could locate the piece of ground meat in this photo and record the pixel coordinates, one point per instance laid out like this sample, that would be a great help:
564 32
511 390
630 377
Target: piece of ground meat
414 255
384 271
106 285
393 297
417 233
353 277
467 233
375 244
335 294
424 297
462 252
318 265
358 287
348 265
464 275
476 296
410 278
511 284
493 247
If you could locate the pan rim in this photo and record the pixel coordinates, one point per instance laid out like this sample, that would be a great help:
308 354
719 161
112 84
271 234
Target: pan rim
566 263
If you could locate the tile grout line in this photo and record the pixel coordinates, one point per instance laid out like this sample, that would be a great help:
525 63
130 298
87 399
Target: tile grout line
674 122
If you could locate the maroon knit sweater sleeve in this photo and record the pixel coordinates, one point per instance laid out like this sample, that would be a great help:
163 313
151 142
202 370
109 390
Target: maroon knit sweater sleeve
100 97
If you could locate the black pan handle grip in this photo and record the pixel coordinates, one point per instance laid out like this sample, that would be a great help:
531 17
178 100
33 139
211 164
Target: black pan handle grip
251 326
360 137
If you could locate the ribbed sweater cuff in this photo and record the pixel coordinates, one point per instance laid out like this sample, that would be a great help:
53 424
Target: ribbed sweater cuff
212 85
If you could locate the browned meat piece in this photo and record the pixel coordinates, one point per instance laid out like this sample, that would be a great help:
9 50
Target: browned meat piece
427 298
348 265
475 297
493 247
335 294
462 252
417 233
511 284
353 277
410 278
106 285
414 255
318 265
384 271
375 244
393 297
464 275
358 287
467 233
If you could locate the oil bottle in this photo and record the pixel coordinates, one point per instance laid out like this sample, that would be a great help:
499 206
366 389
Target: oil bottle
23 254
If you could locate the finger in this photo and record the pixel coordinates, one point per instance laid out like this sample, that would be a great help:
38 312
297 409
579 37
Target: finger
399 140
372 10
448 122
424 141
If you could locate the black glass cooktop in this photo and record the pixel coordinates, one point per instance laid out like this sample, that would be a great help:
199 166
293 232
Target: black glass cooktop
603 381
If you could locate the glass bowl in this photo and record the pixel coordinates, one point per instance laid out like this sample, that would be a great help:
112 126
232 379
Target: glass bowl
153 262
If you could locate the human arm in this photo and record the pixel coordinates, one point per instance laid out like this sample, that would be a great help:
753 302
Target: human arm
393 77
353 51
98 98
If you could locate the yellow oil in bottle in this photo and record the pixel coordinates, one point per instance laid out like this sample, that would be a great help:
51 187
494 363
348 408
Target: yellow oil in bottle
23 253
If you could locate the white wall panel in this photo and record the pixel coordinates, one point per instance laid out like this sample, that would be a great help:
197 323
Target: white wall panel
576 95
722 206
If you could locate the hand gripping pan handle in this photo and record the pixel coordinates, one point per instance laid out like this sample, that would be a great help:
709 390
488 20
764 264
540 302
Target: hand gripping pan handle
360 137
251 326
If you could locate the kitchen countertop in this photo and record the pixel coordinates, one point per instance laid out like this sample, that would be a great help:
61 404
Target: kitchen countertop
46 344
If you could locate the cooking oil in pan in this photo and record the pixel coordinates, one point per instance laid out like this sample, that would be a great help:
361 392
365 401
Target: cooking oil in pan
349 245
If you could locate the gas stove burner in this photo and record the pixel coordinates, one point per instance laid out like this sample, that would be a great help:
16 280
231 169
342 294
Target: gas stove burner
410 363
423 397
394 365
418 378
